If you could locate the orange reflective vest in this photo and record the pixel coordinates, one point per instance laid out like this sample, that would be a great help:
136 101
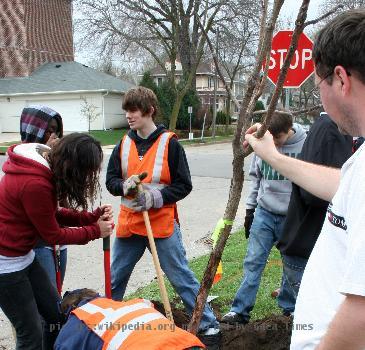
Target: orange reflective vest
155 163
133 324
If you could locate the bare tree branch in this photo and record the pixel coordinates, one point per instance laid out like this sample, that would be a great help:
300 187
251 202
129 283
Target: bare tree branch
292 113
329 13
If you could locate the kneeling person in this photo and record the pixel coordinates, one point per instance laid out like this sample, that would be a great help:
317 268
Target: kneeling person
98 323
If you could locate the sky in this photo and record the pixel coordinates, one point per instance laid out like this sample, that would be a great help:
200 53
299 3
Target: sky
291 7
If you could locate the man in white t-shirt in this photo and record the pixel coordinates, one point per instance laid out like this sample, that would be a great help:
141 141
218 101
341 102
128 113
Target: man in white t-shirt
330 309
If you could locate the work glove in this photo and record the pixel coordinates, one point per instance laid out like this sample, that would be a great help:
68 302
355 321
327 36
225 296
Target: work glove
130 185
248 221
147 199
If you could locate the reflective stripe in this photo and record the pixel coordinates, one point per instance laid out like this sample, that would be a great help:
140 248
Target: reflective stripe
125 155
112 315
157 168
118 339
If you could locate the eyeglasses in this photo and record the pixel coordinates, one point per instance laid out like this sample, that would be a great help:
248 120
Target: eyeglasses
316 92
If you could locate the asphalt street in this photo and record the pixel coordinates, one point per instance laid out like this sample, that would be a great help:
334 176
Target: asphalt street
211 170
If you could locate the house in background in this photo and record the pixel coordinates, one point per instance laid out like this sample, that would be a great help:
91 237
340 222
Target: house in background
69 88
37 67
205 75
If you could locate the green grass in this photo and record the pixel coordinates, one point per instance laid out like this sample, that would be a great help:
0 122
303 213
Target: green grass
206 140
108 137
231 280
5 145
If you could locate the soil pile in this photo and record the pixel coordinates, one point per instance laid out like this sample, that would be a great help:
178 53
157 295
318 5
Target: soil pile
270 333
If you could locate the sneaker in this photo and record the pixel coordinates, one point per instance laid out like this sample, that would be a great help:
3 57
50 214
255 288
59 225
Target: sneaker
288 313
234 318
211 338
275 293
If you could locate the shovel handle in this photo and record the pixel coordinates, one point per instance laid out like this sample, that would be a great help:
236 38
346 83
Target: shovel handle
156 261
107 276
106 243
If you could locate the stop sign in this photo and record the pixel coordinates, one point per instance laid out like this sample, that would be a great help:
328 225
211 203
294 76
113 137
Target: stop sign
301 66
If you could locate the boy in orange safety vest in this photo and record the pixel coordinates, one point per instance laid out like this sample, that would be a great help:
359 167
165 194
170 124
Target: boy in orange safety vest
99 323
152 149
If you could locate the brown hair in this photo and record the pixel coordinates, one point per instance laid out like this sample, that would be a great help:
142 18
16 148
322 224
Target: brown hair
280 122
140 98
75 162
341 42
72 299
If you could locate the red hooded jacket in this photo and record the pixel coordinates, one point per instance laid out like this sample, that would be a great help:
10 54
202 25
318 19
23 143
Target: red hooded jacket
28 210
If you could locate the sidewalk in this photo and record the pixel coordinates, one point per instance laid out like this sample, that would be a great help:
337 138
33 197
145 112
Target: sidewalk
9 137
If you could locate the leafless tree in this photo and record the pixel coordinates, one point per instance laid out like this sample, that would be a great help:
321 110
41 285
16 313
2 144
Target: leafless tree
166 30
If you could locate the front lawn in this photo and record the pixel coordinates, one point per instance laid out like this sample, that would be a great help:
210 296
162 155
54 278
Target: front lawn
108 137
230 282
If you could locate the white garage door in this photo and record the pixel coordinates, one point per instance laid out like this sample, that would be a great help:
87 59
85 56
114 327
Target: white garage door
70 111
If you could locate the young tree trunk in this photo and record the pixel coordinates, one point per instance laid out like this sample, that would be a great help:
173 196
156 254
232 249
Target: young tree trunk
248 104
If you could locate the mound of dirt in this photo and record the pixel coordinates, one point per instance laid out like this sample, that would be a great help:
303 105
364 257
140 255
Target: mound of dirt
270 333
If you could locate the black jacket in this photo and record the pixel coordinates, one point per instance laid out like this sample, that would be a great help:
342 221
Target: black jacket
179 169
306 213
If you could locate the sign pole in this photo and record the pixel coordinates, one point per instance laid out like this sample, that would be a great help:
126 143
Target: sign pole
287 96
190 111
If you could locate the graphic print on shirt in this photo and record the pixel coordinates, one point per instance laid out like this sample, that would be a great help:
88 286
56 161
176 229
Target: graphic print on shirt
336 220
268 173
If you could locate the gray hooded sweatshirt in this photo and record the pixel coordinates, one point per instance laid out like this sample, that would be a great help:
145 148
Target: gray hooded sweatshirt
269 189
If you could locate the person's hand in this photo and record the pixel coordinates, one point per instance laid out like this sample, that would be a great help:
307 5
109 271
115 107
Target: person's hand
130 185
265 147
53 140
147 199
248 221
106 212
106 227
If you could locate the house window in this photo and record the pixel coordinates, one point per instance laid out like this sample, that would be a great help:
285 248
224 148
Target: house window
159 81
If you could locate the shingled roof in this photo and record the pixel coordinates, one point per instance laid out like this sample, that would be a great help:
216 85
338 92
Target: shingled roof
63 77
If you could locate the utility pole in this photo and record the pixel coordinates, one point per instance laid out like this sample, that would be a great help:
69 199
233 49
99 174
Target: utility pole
215 88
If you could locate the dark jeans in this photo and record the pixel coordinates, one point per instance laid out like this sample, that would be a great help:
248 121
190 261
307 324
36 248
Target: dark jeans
24 296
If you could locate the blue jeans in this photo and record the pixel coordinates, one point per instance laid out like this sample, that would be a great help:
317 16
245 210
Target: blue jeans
172 256
46 260
293 269
264 233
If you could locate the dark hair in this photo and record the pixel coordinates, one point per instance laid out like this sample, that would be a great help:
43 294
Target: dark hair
75 162
280 122
60 125
341 42
140 98
71 300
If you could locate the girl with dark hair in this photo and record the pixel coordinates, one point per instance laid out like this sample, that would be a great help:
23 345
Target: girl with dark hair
41 124
36 179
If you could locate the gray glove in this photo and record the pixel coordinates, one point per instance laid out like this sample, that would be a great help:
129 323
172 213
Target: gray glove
147 199
130 185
